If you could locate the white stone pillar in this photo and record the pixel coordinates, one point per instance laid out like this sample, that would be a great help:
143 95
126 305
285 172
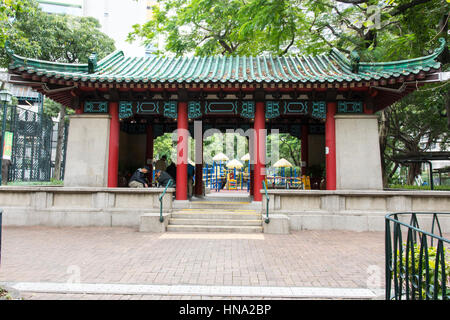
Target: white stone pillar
87 151
358 158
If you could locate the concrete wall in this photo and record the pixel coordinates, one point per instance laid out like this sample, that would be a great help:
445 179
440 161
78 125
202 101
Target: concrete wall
87 151
354 210
300 210
358 161
74 207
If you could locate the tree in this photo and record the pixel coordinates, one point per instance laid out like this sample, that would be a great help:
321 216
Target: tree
208 27
378 29
53 37
414 125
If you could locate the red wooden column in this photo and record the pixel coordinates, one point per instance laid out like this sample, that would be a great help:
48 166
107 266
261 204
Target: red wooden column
113 158
182 151
260 150
149 152
305 147
330 147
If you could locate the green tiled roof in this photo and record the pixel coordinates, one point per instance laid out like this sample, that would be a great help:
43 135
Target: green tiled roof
325 68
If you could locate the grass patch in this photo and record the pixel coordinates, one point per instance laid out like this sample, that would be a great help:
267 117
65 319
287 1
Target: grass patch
409 187
52 182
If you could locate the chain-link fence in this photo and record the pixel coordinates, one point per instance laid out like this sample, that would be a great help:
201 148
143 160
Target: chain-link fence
33 144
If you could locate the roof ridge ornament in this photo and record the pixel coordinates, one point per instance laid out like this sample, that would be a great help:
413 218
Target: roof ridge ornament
441 48
92 62
354 59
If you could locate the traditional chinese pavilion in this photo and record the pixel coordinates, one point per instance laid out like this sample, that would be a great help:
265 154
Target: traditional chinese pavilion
327 100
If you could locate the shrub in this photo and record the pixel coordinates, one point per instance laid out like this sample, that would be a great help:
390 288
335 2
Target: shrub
413 277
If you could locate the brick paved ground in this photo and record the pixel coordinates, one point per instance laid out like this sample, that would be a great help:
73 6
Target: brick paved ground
122 255
340 259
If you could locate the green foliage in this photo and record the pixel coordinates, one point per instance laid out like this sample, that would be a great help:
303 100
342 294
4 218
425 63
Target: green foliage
54 37
289 148
53 108
379 30
163 145
208 27
432 253
9 9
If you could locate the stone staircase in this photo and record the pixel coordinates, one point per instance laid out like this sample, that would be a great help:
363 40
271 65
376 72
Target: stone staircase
217 216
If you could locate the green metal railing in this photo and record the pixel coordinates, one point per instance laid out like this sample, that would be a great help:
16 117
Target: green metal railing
267 220
415 269
161 218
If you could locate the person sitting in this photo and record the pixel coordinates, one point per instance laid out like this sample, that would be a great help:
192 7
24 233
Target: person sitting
139 178
163 178
190 174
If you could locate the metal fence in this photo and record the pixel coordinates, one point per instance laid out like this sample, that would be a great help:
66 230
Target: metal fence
418 268
33 139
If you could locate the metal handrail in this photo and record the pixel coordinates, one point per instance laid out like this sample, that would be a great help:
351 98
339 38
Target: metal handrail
411 272
161 218
267 220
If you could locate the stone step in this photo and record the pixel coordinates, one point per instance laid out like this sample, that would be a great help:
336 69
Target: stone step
223 215
218 205
205 228
223 210
215 222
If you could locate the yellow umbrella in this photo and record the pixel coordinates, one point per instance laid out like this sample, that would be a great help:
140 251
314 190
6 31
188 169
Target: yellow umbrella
246 157
282 163
220 157
234 164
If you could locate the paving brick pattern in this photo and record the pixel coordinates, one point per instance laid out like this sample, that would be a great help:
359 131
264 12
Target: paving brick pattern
337 259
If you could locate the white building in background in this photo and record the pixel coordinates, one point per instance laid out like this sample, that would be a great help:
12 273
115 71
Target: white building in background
116 17
73 7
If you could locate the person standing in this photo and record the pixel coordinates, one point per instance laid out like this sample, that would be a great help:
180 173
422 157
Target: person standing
190 173
161 164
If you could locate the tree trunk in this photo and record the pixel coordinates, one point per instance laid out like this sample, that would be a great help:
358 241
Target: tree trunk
59 144
413 172
383 134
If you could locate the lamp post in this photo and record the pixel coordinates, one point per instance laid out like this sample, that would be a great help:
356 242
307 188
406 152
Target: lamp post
5 98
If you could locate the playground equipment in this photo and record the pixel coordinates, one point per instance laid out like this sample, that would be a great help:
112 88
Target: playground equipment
232 181
231 176
235 175
281 179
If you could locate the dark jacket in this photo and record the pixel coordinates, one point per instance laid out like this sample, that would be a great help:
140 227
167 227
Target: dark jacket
172 170
139 177
164 178
190 170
